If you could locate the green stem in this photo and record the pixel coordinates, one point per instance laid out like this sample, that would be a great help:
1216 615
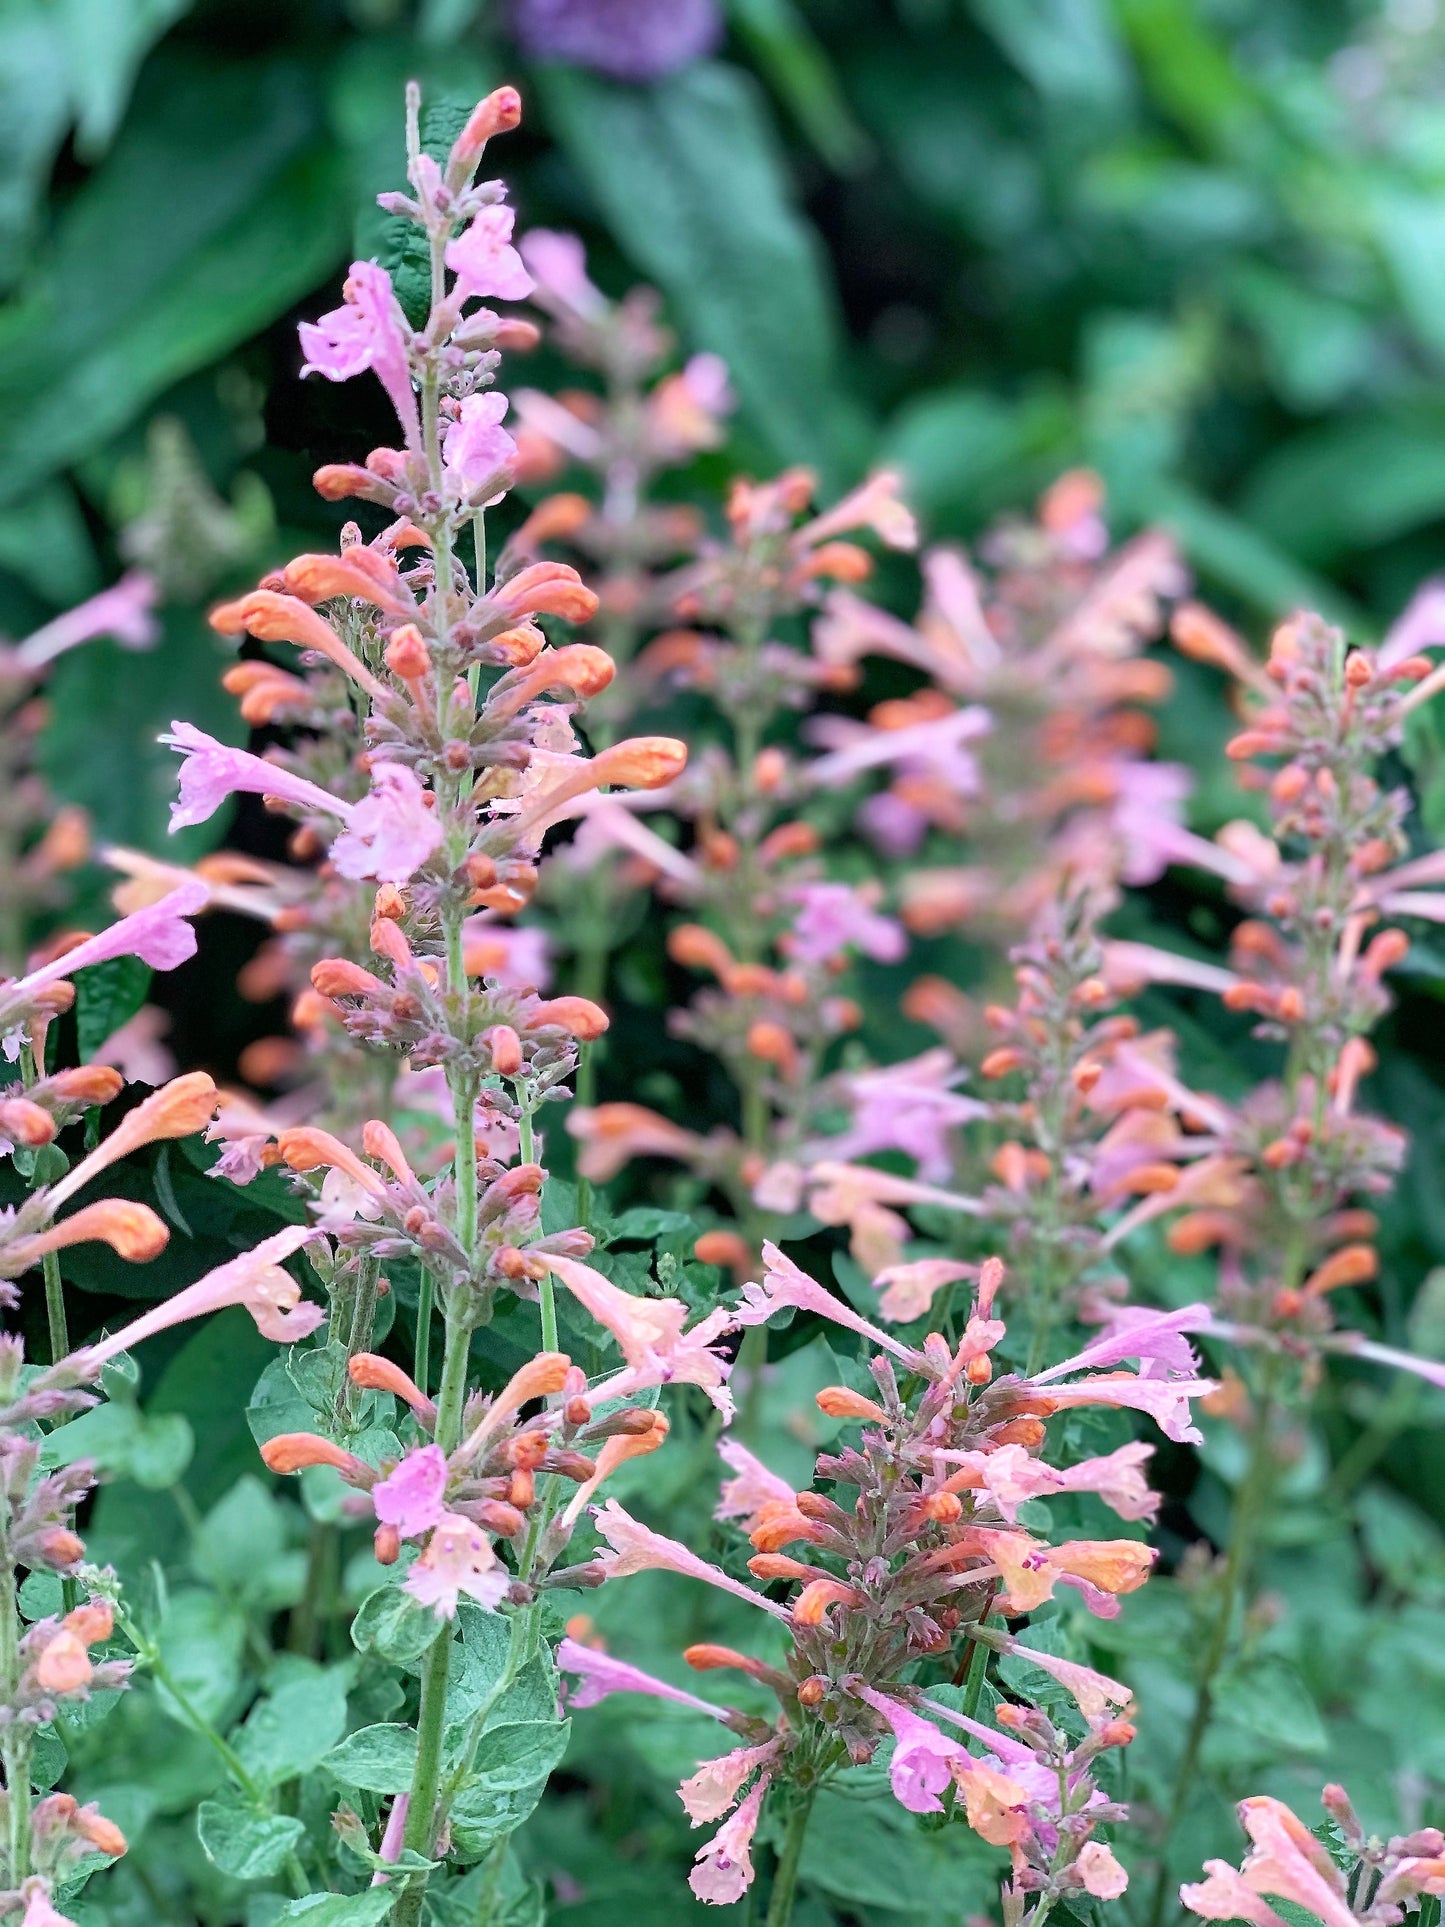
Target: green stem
1247 1509
55 1307
15 1740
785 1880
421 1356
422 1815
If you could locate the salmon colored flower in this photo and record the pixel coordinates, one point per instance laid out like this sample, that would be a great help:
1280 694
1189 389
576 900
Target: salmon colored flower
724 1869
713 1789
634 1547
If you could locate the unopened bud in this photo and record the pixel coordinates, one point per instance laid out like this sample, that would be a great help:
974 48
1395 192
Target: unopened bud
407 656
386 1544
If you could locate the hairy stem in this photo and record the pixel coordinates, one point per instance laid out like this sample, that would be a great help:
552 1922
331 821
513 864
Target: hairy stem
785 1880
15 1739
1247 1509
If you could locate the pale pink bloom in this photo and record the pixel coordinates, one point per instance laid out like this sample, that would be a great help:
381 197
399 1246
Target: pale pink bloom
636 1548
458 1559
910 1289
518 956
548 418
932 748
922 1763
685 411
1420 627
212 771
1129 966
136 1050
651 1335
391 833
909 1107
751 1488
394 1837
367 331
557 264
783 1285
255 1280
159 935
780 1188
1154 1338
708 1793
1011 1477
478 449
1095 1692
1353 1345
875 504
1003 1747
1145 816
1118 1478
724 1869
1226 1895
411 1497
601 1675
123 611
484 260
38 1909
1100 1872
833 918
1165 1400
1287 1862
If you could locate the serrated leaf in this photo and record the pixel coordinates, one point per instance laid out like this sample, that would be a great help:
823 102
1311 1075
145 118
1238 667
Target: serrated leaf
380 1759
294 1727
244 1843
342 1910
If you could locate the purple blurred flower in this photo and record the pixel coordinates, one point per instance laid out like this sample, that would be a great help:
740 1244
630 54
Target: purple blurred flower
628 39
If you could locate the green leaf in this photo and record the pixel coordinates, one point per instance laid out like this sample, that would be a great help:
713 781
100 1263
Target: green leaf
392 1623
216 210
105 42
342 1910
244 1843
513 1757
380 1759
689 177
34 110
107 995
201 1641
294 1727
1268 1697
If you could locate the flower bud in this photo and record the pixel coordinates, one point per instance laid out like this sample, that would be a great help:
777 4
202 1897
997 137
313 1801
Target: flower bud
506 1049
641 762
24 1122
499 113
337 977
292 1451
813 1690
578 1016
64 1666
386 1544
837 1401
407 656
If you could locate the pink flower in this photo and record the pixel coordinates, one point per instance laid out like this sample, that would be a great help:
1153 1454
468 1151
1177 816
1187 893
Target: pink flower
368 331
394 1837
724 1869
1154 1338
875 505
212 771
558 266
38 1910
1285 1860
1226 1895
600 1675
709 1792
516 958
784 1285
833 918
1100 1872
479 451
123 611
1095 1692
484 261
909 1107
650 1332
411 1496
255 1280
1165 1400
159 935
636 1548
391 833
910 1289
1118 1478
933 748
1421 626
922 1763
1145 816
458 1559
752 1487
